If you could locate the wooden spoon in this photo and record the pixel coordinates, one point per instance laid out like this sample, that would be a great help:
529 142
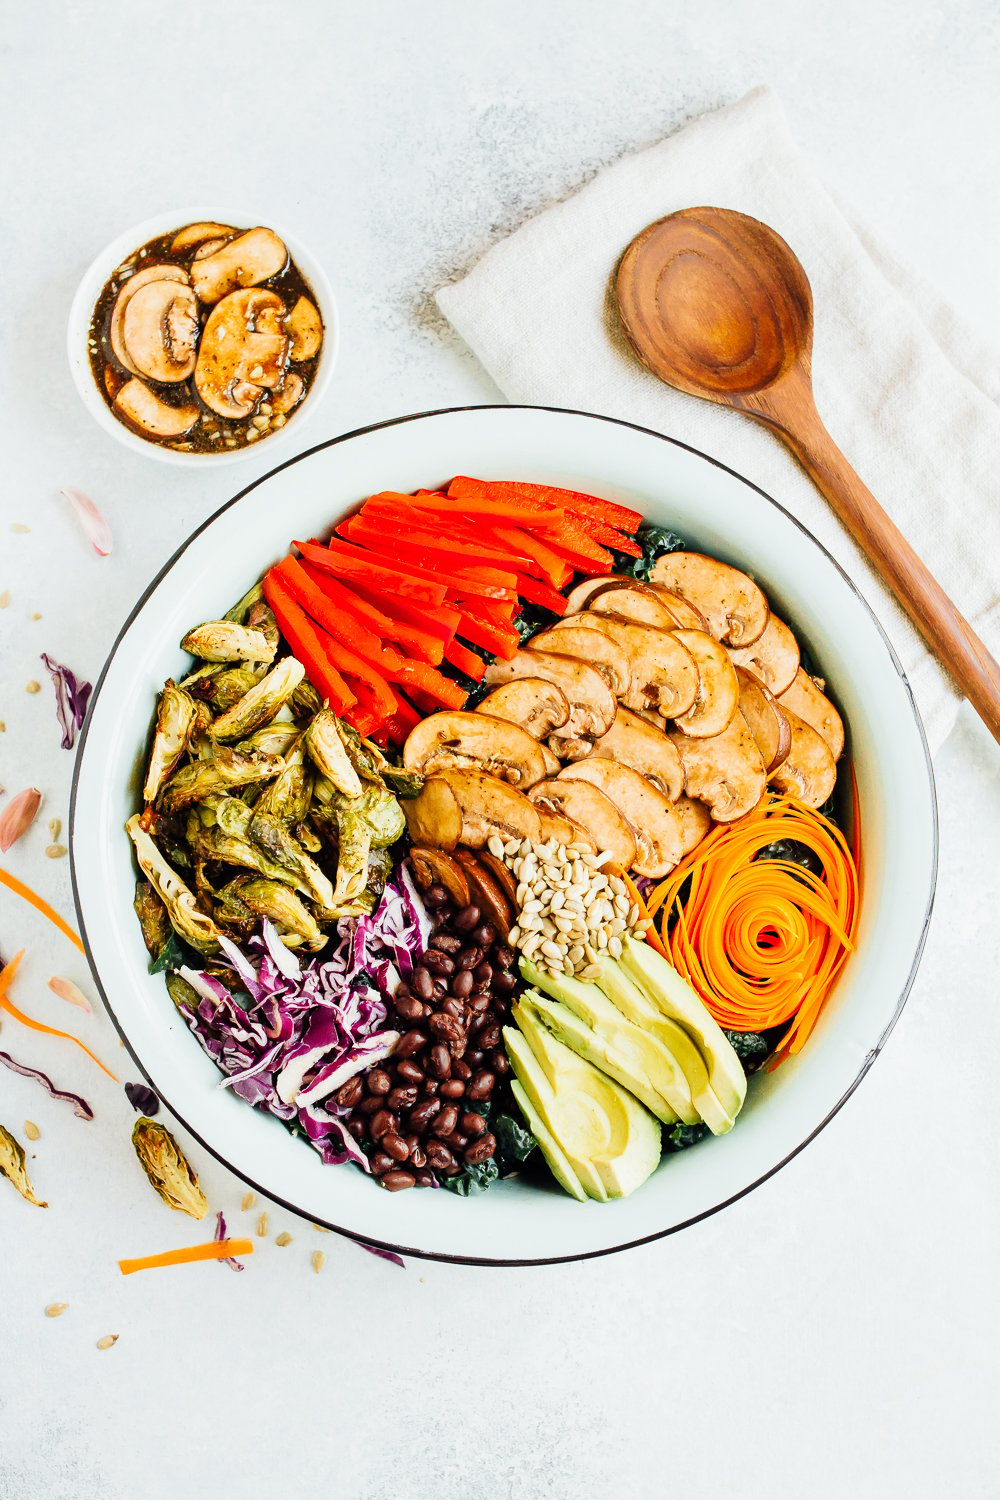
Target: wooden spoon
717 305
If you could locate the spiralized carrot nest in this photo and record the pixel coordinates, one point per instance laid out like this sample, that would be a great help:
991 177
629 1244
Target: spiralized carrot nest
762 940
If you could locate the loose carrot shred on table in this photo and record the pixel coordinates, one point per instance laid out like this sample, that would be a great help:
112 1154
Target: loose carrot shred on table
307 644
33 899
6 975
214 1250
762 941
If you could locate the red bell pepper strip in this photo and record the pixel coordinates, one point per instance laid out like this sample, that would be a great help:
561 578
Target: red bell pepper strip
540 593
416 675
439 623
316 603
402 721
465 660
571 501
490 612
554 569
364 715
455 550
540 515
474 580
307 645
450 568
599 532
488 637
350 563
417 642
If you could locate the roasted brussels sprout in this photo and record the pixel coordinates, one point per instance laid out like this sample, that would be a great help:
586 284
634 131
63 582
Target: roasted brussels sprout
167 1168
187 920
224 640
175 718
259 706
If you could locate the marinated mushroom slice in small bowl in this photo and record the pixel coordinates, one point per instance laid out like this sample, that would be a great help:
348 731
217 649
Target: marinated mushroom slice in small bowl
206 338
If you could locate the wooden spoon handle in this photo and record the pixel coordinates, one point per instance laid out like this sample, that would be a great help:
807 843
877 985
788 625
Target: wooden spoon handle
948 634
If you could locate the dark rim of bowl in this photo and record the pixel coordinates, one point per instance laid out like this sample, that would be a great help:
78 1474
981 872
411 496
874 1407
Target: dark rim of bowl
477 1260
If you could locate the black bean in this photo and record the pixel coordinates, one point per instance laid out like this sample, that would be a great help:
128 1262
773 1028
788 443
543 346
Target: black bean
457 1140
489 1038
445 1122
461 1069
402 1098
481 1086
425 1179
483 973
410 1071
371 1105
410 1042
478 1003
395 1146
504 982
446 942
472 1123
379 1081
383 1123
439 1156
480 1150
409 1007
469 958
435 895
503 957
421 982
484 935
438 963
381 1163
423 1113
454 1008
431 1086
350 1092
358 1128
474 1056
446 1028
438 1061
452 1088
499 1062
466 919
458 1046
398 1180
461 984
418 1156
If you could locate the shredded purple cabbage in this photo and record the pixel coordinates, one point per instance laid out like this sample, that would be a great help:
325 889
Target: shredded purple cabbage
310 1026
221 1233
72 697
80 1106
397 1260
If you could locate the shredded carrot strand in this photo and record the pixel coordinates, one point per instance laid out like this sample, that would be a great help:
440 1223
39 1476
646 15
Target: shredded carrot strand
33 899
6 975
214 1250
652 936
762 941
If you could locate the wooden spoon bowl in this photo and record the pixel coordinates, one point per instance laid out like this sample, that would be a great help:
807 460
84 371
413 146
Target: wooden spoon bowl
716 304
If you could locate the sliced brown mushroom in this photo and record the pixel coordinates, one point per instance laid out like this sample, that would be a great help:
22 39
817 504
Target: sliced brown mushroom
558 828
571 637
305 329
658 827
535 705
288 394
141 278
449 741
436 867
245 261
735 608
634 603
160 331
144 410
685 616
501 874
765 719
718 690
244 349
592 703
726 771
435 817
197 234
585 804
487 893
489 806
633 742
663 672
551 759
773 657
579 598
809 770
208 248
806 699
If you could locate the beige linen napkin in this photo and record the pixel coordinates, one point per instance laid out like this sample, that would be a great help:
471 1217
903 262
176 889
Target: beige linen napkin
907 389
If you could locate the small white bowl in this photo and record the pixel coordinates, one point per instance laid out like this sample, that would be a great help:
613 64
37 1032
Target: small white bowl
119 250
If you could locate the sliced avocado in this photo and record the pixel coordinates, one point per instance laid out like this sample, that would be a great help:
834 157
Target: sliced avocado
550 1110
684 1081
547 1144
673 995
604 1132
583 1018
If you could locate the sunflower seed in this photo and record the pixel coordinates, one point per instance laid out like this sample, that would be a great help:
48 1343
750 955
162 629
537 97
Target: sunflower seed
31 1130
249 1199
283 1239
317 1261
56 1309
108 1341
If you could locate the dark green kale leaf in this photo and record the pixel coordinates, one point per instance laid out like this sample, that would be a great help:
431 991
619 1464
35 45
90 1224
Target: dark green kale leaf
750 1047
472 1179
175 954
679 1137
514 1143
655 541
794 853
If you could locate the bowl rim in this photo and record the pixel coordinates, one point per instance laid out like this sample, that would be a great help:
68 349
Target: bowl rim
101 267
872 1053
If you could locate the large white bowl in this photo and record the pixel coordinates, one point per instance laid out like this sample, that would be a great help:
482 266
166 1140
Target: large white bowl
713 509
96 277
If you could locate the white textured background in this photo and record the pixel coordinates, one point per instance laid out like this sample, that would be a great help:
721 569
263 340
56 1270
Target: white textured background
836 1333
